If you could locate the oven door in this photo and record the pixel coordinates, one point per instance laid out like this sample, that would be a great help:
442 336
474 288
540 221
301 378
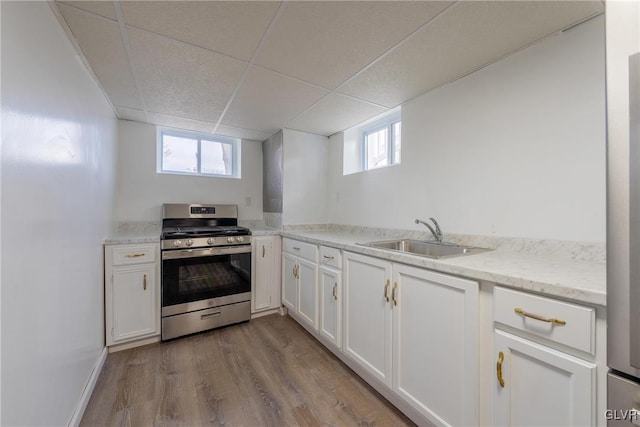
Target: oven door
194 279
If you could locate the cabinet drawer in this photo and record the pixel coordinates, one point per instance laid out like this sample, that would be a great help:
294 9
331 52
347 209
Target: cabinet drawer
133 254
544 317
330 256
301 249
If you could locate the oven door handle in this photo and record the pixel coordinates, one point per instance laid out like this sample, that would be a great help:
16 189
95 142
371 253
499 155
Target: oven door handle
195 253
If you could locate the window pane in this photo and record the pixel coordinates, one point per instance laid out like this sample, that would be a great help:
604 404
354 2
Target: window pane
376 145
396 131
179 154
216 158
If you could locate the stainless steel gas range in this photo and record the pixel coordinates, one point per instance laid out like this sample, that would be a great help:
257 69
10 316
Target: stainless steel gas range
206 268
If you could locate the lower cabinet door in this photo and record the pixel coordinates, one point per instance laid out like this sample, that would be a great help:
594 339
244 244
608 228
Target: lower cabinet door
367 314
435 344
262 275
290 282
539 386
308 292
330 299
134 306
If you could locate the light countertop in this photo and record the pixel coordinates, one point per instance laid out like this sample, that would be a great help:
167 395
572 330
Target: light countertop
581 281
131 239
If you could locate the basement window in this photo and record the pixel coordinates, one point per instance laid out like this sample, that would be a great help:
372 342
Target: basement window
190 153
374 144
381 145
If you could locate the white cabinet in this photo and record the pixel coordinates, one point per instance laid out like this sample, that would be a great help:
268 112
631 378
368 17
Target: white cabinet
300 281
308 291
290 282
415 331
132 293
435 344
541 386
265 290
330 282
367 314
537 382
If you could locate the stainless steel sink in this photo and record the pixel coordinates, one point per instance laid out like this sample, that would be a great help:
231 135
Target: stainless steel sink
427 249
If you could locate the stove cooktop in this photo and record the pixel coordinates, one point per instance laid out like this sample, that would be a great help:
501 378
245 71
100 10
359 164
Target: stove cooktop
193 232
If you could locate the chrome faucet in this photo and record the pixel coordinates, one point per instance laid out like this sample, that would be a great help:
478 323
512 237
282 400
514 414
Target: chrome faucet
437 233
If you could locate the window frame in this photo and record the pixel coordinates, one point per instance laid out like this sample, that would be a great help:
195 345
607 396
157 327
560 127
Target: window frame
199 137
377 126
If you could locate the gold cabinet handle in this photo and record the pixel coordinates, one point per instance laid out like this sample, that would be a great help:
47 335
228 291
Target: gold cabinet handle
295 248
335 291
263 251
393 293
540 318
328 257
144 282
499 369
386 291
134 255
297 271
294 271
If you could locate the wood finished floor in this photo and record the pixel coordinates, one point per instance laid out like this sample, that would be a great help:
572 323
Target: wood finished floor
267 372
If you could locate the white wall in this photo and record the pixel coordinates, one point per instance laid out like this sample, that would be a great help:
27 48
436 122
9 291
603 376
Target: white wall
58 156
515 149
141 191
304 170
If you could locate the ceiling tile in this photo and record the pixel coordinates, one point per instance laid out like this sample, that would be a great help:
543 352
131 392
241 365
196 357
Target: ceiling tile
231 27
102 8
333 114
242 133
182 80
327 42
131 114
180 123
266 100
101 42
466 37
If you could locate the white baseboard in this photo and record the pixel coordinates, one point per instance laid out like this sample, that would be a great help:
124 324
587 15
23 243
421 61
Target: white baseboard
88 390
264 313
133 344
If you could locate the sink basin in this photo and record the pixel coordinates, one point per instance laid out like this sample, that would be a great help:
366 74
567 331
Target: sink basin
427 249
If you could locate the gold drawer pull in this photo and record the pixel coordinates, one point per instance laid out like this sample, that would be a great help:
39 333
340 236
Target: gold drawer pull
540 318
499 369
134 255
386 290
328 257
335 291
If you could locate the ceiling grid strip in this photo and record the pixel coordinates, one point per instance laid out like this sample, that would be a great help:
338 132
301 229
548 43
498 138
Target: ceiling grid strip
127 48
370 64
81 55
394 47
250 64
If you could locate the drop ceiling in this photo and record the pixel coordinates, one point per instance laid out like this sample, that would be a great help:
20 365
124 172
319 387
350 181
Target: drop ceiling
247 69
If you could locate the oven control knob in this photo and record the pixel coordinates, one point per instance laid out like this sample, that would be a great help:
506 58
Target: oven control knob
230 240
189 242
177 243
211 240
240 239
